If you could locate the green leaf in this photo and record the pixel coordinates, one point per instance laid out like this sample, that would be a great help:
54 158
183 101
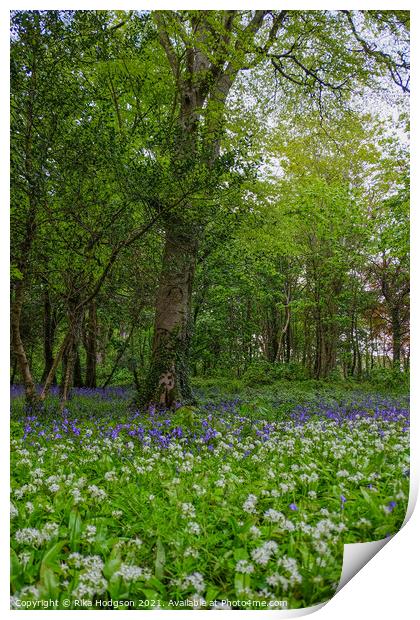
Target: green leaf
111 567
160 559
240 554
49 582
49 559
75 529
239 583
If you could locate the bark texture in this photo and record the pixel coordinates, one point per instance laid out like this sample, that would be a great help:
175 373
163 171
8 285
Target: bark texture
90 345
168 375
18 347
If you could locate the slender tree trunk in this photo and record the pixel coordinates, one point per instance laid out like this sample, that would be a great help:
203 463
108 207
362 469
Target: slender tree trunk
91 346
49 329
70 354
54 367
319 347
19 349
119 356
77 372
396 337
14 369
167 379
68 370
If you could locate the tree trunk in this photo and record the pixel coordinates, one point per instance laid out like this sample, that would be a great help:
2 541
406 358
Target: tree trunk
396 337
167 380
49 329
91 346
69 352
119 356
68 370
77 372
14 369
18 348
54 367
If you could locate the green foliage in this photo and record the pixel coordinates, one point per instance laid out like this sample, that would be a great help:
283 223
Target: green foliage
389 379
265 373
301 216
111 518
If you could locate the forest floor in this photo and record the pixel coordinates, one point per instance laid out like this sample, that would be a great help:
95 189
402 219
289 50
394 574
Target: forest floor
244 501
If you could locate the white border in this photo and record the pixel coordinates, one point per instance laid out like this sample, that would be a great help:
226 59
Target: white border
387 586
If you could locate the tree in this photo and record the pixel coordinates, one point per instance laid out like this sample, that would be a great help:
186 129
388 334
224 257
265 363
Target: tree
206 51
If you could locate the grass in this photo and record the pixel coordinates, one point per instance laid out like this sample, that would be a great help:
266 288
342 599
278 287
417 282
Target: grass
248 497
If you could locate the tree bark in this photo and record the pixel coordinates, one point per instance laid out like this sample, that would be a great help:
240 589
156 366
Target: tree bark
91 346
70 353
167 380
54 367
18 348
14 369
49 329
202 80
77 372
396 336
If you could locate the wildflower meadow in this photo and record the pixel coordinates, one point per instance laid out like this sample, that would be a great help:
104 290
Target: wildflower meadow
224 505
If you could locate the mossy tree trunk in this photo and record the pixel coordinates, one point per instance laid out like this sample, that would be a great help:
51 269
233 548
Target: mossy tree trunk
203 76
167 380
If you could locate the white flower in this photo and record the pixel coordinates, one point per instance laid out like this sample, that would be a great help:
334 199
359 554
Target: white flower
14 512
290 565
117 513
243 566
24 558
29 591
132 573
343 473
275 579
29 507
188 510
196 581
110 476
261 555
34 537
90 533
274 516
193 527
136 542
90 583
76 559
49 531
96 492
77 496
254 531
249 503
321 547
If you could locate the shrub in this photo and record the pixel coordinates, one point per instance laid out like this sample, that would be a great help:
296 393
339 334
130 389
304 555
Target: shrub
260 372
291 371
389 378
